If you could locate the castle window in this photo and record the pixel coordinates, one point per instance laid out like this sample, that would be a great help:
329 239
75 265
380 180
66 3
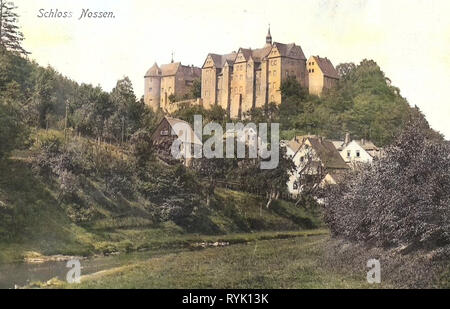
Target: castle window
358 154
312 70
348 153
274 72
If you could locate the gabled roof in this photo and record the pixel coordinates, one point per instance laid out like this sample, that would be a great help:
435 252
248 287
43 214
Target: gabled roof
220 60
261 53
366 145
290 50
170 68
326 151
326 67
173 123
293 145
246 52
338 144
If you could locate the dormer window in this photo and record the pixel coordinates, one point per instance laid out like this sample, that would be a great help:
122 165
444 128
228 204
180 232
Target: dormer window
358 154
348 153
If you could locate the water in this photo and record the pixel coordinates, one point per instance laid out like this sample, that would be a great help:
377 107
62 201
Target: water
22 274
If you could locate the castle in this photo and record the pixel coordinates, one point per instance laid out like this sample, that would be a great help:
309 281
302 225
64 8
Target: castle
173 79
242 80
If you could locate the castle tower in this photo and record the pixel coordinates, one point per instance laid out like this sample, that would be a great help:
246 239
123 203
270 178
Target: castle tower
269 37
152 92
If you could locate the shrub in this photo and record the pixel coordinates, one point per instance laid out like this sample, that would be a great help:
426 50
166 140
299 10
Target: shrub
401 200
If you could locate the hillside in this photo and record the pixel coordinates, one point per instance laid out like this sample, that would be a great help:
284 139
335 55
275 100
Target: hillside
96 221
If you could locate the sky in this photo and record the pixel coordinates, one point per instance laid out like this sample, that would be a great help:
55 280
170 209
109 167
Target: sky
409 39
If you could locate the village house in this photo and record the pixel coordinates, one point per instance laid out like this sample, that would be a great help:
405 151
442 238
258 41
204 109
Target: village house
170 129
317 162
172 80
357 151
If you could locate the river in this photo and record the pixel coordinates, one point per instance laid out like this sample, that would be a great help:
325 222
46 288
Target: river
22 274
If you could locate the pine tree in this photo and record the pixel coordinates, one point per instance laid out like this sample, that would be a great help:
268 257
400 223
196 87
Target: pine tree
10 35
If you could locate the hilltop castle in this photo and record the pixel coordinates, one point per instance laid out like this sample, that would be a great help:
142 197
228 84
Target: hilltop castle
169 79
242 80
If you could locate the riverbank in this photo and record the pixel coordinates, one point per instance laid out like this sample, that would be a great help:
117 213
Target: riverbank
276 263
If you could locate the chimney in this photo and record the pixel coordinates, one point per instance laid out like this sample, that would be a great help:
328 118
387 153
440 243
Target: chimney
363 141
347 138
320 139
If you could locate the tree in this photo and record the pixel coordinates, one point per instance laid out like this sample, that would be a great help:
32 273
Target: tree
44 95
270 183
211 170
12 129
344 69
10 36
142 147
196 89
401 200
127 115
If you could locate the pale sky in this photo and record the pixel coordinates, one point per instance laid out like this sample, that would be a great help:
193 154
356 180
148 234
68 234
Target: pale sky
409 39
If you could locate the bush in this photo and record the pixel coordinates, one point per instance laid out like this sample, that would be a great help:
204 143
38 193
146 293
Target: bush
403 199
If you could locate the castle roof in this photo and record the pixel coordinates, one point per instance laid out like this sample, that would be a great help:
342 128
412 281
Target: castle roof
258 55
170 68
290 50
153 71
327 67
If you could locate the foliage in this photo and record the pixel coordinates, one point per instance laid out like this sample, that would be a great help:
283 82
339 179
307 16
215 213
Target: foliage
364 104
270 183
13 131
403 199
10 35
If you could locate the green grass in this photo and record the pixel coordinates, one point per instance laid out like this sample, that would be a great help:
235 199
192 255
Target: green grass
277 263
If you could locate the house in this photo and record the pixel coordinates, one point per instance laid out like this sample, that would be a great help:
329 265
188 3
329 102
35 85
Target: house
317 162
357 151
169 130
322 75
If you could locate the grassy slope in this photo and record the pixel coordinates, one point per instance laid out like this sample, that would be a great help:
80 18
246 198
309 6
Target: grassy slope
41 225
287 263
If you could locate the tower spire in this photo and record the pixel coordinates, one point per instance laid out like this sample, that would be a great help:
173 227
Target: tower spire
268 36
171 61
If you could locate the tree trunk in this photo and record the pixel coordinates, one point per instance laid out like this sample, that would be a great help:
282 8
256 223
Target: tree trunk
273 195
